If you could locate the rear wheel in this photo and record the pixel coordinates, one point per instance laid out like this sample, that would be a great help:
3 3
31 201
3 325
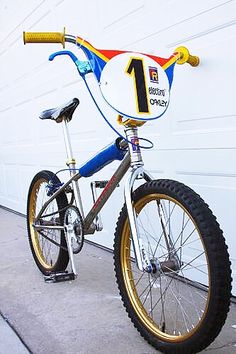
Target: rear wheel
181 306
48 246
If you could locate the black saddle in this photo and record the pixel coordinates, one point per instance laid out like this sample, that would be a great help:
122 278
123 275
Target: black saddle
59 113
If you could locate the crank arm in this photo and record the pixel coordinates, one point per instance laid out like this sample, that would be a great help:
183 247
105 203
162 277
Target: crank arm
69 236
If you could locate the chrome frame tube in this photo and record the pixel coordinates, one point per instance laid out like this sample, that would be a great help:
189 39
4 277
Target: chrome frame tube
106 193
72 165
102 199
75 177
48 227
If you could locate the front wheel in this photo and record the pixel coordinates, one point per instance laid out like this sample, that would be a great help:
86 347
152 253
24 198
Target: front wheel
181 306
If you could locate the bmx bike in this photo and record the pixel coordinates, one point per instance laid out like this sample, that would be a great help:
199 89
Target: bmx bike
171 261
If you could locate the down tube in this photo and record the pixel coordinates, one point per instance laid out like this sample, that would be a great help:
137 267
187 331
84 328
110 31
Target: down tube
106 193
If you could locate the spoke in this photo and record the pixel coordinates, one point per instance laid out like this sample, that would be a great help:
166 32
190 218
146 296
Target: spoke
182 230
48 238
193 297
162 320
142 293
181 239
163 226
192 260
190 242
169 241
140 278
188 237
150 311
146 236
171 279
146 233
193 303
183 311
197 268
184 244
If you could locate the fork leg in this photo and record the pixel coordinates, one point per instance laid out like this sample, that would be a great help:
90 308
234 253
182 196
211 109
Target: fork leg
143 261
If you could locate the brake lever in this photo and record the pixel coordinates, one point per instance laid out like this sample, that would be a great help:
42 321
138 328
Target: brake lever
83 67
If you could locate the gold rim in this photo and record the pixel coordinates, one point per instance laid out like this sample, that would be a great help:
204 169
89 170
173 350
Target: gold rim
34 235
131 282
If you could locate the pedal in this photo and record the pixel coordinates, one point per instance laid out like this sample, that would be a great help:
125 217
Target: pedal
59 277
100 184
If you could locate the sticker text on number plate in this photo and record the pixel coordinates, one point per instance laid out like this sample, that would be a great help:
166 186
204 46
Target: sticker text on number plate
136 86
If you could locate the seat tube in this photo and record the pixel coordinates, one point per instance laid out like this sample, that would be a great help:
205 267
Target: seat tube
71 163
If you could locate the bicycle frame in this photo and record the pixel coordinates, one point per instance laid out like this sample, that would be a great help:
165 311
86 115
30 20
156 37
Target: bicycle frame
97 60
161 265
132 162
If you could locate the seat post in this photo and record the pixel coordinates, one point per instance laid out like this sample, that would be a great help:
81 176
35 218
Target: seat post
67 143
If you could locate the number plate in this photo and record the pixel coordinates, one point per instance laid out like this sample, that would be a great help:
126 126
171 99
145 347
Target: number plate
136 86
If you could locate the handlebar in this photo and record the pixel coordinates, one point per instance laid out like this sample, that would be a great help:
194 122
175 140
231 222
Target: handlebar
186 57
44 37
60 37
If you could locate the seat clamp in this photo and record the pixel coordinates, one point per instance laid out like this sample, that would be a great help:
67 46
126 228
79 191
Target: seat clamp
71 162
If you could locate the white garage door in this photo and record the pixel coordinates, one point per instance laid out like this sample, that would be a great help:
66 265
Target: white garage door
194 141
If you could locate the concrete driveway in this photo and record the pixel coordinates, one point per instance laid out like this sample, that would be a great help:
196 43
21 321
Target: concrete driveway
84 316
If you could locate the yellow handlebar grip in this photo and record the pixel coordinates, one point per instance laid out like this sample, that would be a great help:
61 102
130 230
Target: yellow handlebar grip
185 57
193 60
44 37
